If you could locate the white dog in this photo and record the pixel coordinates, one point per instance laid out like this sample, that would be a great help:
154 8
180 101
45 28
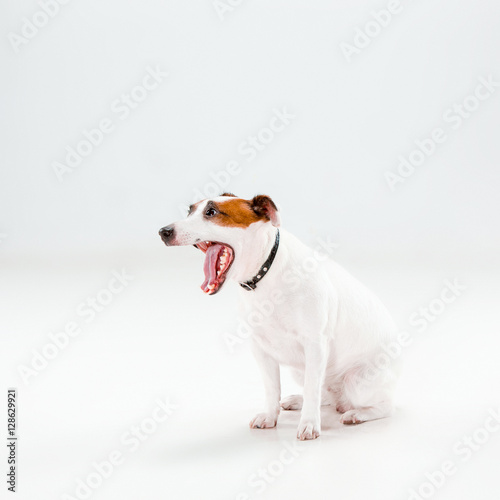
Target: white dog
325 325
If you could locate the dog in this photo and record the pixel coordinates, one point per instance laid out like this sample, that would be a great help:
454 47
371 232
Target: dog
327 326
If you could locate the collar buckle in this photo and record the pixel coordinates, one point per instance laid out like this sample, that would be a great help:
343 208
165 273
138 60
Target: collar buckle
252 283
248 286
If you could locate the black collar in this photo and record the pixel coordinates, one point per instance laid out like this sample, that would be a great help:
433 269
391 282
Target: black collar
252 283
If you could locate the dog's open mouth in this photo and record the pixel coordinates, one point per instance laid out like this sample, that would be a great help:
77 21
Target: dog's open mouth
218 260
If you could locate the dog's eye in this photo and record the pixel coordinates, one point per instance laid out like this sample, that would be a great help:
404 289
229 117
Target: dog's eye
210 212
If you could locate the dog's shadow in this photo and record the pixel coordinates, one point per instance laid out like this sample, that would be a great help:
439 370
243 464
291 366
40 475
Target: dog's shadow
330 421
225 443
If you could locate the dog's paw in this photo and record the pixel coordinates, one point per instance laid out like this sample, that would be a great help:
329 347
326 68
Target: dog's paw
352 417
263 421
308 430
292 402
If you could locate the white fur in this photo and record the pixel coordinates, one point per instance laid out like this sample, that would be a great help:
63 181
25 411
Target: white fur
325 325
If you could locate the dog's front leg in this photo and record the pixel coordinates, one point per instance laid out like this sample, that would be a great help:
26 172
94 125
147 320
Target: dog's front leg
270 370
316 355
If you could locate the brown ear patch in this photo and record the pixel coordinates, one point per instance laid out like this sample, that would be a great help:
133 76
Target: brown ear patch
228 194
236 213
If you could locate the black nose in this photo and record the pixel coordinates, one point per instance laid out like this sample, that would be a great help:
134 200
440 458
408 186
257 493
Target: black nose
166 233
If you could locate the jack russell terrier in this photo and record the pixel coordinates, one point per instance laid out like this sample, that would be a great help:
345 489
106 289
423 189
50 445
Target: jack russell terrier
328 328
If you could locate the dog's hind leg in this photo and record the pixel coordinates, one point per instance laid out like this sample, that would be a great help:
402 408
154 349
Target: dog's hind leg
359 415
366 396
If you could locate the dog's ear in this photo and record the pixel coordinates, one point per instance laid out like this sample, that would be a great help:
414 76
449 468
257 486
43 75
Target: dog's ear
263 206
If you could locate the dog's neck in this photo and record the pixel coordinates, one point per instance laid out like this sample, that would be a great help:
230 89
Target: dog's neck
253 252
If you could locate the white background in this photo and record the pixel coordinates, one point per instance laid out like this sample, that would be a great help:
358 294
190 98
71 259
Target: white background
61 240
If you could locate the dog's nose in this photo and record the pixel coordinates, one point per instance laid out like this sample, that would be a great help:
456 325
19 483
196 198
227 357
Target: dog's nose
166 233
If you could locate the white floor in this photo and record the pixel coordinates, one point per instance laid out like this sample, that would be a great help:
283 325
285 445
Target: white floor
162 338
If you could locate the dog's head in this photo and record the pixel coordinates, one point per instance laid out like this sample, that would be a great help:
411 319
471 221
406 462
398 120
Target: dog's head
232 232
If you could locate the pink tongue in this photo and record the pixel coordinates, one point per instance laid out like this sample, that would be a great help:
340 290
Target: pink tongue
210 265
